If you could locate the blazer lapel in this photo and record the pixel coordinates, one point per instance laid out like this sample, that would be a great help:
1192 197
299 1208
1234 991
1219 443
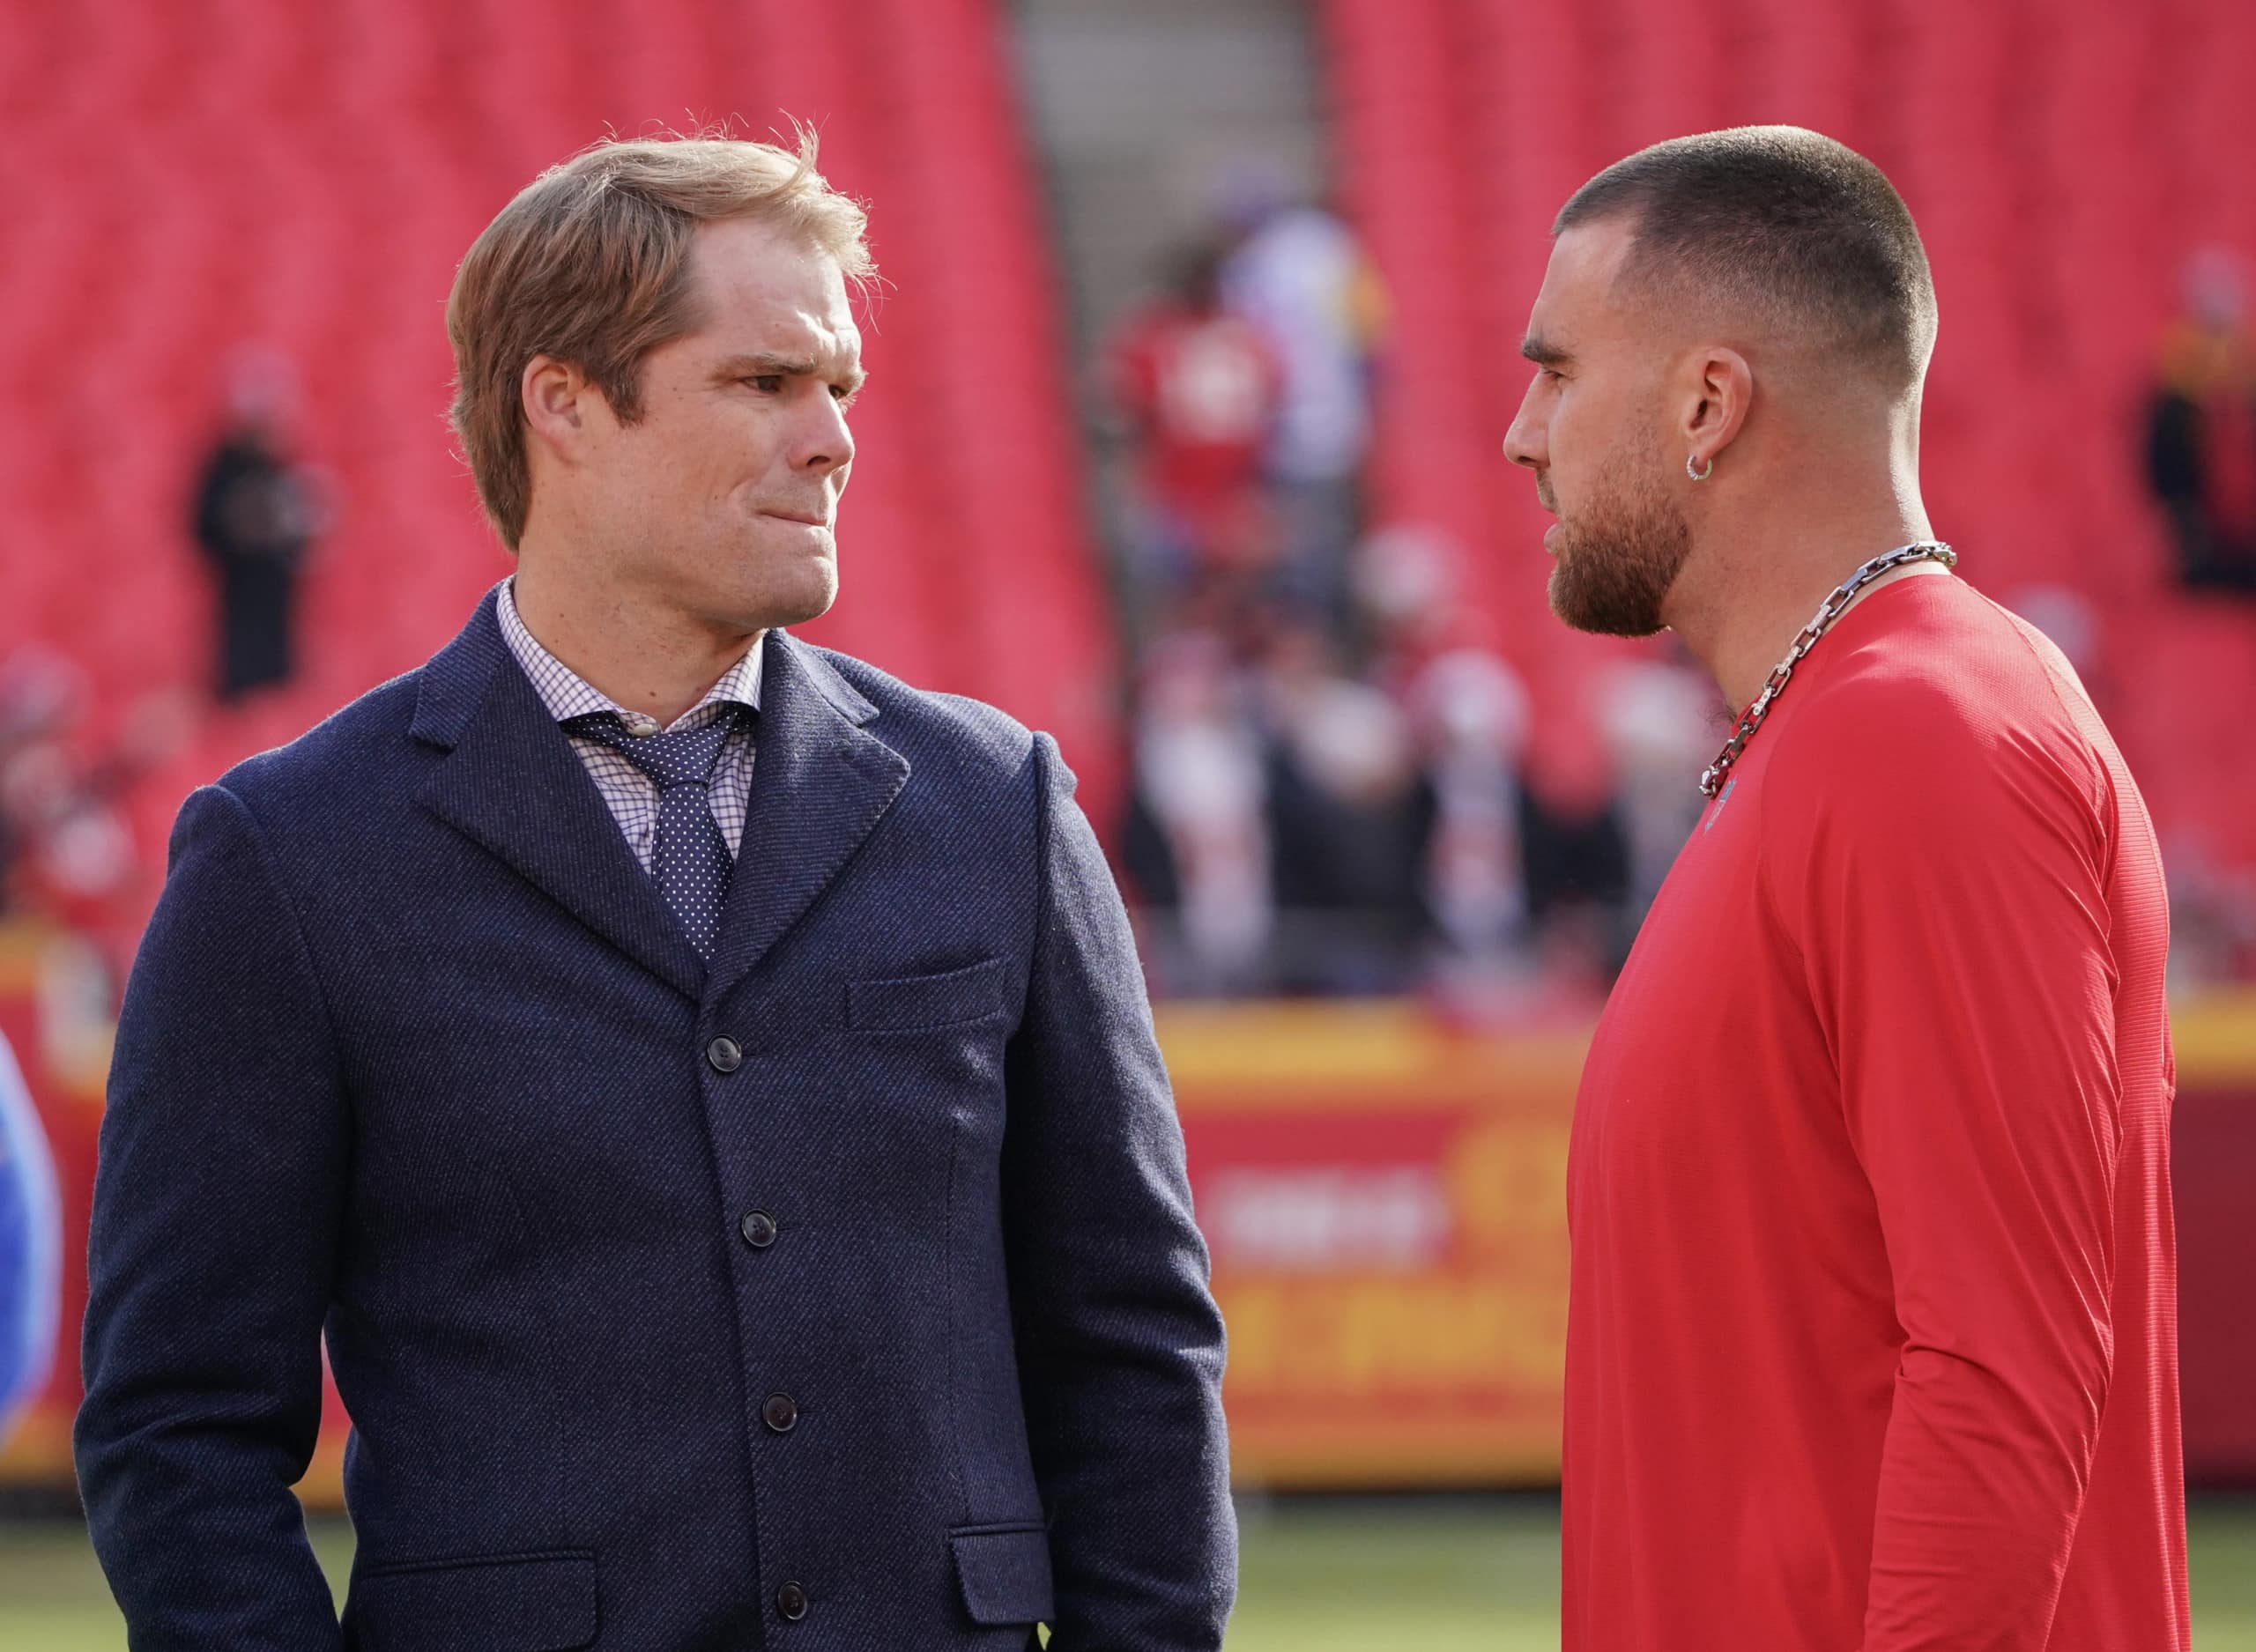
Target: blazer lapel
512 782
820 785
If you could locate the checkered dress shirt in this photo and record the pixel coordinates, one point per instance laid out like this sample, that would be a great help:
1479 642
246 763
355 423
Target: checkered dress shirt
630 794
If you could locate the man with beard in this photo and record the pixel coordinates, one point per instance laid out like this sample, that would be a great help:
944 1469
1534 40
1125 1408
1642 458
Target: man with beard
1872 1340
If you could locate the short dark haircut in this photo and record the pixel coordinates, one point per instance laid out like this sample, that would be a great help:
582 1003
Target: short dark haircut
1785 222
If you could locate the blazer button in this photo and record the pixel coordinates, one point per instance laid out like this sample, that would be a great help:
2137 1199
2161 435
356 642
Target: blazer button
779 1413
725 1055
791 1602
758 1230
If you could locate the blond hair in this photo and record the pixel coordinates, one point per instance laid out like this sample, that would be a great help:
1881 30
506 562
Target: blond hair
589 264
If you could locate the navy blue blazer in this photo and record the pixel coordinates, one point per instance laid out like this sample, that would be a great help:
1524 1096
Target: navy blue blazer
845 1298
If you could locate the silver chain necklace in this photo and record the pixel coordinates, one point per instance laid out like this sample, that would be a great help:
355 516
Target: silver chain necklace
1919 550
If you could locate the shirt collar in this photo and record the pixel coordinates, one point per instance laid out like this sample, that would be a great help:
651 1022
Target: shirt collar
568 694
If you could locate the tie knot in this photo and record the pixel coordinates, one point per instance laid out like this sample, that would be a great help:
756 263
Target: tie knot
683 757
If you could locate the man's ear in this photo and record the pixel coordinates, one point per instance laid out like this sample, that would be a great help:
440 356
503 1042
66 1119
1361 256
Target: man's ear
1715 392
554 398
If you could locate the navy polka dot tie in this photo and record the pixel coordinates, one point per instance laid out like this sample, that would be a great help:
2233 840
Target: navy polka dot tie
688 856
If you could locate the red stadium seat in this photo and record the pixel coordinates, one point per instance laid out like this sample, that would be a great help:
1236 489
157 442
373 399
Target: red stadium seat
2061 161
310 189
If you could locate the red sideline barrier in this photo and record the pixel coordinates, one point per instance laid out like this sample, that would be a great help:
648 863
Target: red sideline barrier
1384 1199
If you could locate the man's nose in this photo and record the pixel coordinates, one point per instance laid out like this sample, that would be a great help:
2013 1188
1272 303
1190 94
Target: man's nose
1525 443
828 444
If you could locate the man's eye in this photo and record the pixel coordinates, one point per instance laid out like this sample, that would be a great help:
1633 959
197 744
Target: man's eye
766 383
843 396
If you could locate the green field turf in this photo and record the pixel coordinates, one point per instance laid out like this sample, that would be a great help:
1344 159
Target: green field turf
1318 1577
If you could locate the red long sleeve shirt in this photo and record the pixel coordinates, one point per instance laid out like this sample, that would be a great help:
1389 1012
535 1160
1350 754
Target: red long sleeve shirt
1872 1342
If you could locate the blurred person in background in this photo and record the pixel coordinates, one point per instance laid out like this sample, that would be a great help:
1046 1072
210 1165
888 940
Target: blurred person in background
1653 715
1871 1340
702 1086
41 693
256 516
1576 856
2212 918
30 1248
1197 390
1297 274
2200 447
1197 842
1343 816
1520 860
1471 711
66 855
1470 717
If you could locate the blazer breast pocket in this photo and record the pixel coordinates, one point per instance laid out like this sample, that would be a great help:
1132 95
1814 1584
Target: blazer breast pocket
910 1003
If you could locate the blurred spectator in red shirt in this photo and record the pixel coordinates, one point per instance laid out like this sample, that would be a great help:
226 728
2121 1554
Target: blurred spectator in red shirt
1199 389
2201 431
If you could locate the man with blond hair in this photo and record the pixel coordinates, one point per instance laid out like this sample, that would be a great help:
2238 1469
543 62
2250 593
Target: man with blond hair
702 1087
1871 1342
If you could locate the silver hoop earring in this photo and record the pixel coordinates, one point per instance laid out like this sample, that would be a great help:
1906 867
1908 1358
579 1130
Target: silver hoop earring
1696 470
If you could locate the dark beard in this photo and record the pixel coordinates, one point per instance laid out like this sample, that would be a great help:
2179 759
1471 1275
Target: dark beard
1619 556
